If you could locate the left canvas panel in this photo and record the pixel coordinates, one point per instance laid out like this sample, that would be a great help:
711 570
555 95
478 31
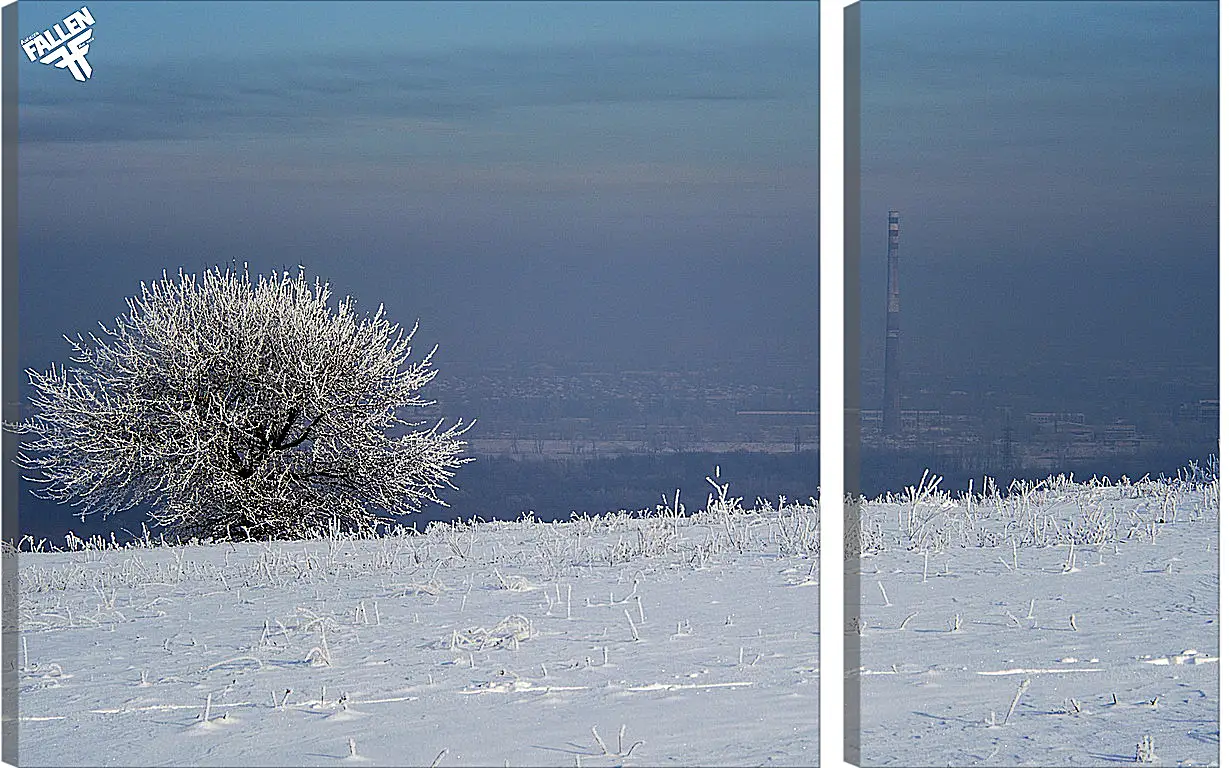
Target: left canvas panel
411 383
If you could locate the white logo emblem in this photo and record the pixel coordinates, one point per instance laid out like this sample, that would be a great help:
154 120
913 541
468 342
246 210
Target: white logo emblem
65 44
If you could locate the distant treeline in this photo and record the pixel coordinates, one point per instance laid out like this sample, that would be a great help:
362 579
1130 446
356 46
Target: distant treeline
884 471
493 488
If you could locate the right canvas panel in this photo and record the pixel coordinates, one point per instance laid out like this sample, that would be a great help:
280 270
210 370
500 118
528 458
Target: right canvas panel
1032 543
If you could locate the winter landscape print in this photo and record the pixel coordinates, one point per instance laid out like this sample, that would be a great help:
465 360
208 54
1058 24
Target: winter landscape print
1032 549
416 384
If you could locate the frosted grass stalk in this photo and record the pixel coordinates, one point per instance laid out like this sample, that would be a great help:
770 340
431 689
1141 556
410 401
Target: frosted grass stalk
632 624
1016 699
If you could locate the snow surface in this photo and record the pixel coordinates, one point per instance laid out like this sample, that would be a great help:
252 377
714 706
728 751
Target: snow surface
623 639
1102 596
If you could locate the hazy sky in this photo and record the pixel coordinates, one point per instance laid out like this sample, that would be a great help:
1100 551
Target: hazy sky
1055 165
535 181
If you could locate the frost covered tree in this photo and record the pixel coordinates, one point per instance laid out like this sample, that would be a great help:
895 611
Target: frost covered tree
236 408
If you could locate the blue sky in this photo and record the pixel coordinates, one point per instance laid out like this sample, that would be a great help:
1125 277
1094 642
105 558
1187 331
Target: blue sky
535 181
1055 164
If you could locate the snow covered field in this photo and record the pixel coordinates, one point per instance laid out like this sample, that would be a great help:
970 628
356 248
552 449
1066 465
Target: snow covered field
657 639
1092 606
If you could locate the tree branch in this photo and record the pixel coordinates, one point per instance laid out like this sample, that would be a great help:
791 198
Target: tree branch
307 432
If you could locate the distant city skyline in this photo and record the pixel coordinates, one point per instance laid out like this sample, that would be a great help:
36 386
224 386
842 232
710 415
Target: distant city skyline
1055 169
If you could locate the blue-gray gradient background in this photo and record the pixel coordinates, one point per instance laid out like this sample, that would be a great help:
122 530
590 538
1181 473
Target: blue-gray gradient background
1055 165
632 183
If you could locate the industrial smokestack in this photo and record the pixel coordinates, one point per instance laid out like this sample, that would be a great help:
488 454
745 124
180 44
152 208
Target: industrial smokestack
891 347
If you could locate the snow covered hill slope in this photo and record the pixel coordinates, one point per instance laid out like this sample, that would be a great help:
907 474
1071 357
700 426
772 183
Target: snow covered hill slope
655 639
1060 624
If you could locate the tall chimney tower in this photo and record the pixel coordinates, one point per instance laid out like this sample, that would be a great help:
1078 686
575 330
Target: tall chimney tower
891 347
